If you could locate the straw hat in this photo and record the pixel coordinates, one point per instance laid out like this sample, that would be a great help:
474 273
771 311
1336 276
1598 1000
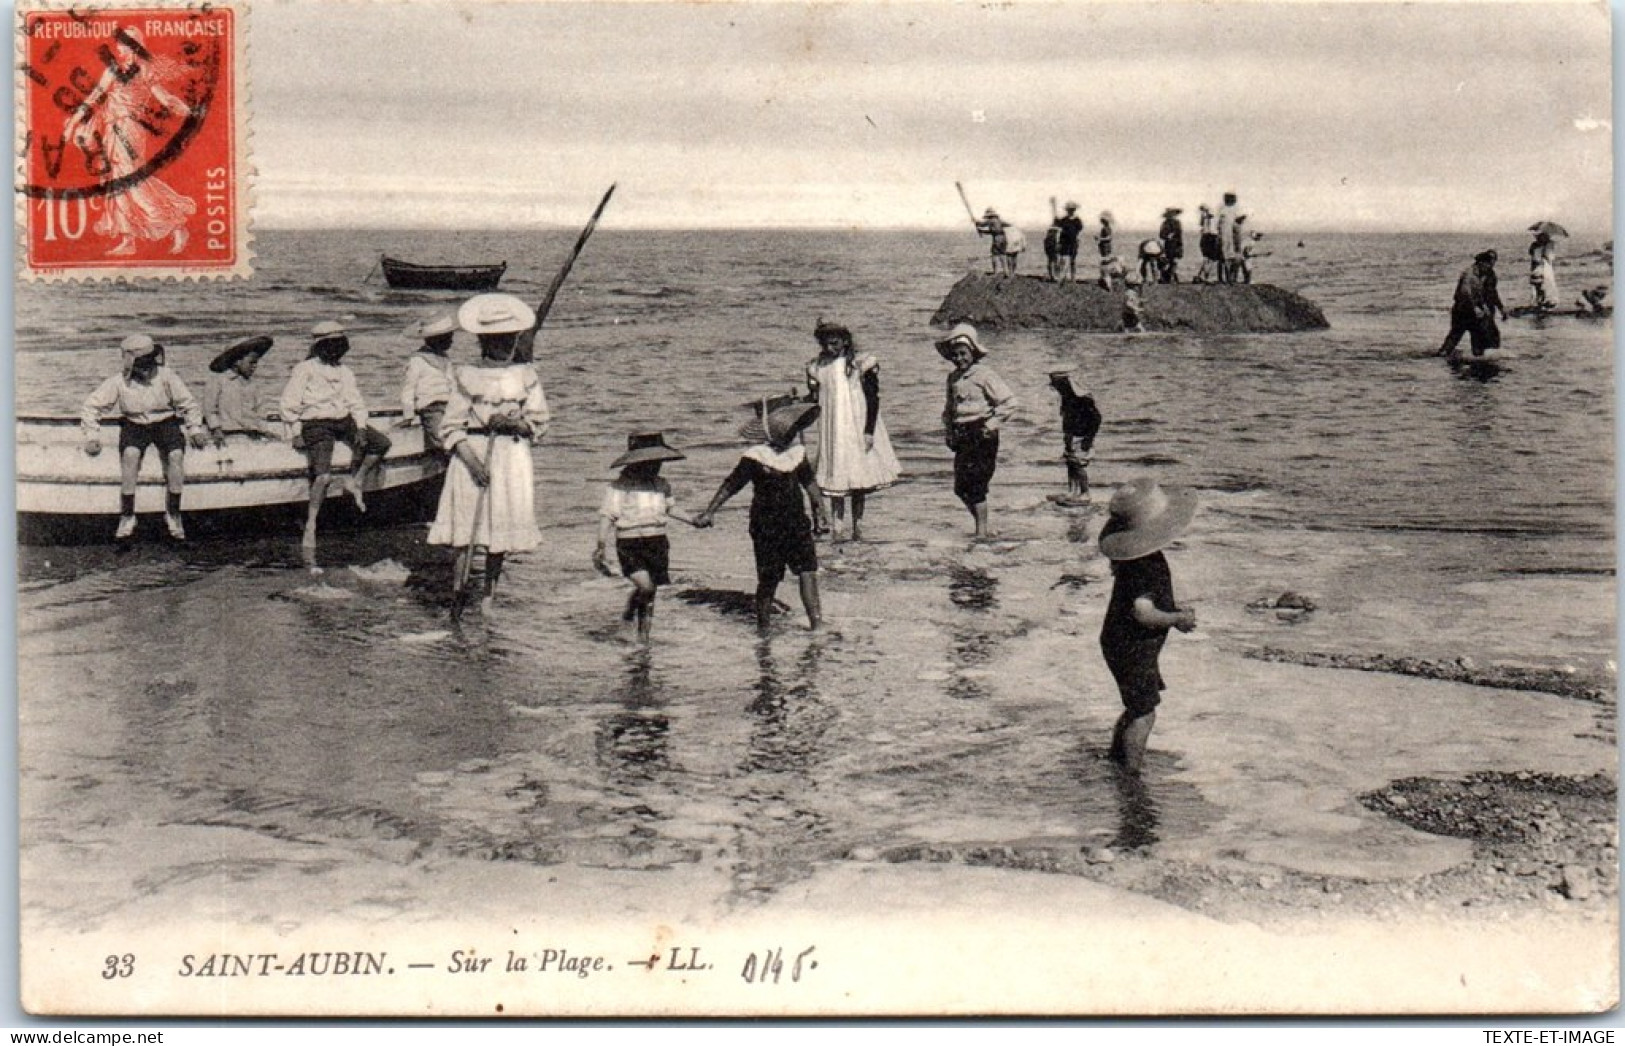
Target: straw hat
640 446
258 345
1173 212
433 327
138 347
1489 257
1151 247
990 213
1071 205
326 331
1062 379
778 418
962 332
495 314
1145 517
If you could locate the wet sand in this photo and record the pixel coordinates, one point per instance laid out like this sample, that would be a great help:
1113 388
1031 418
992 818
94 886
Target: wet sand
807 788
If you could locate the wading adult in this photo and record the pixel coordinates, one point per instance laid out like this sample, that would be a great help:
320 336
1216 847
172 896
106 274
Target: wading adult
854 457
979 403
1477 303
154 408
496 413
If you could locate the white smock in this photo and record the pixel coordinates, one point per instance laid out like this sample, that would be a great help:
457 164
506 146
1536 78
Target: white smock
841 463
505 519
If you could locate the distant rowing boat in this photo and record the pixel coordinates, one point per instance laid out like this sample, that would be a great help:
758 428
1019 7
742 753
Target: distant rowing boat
407 276
248 487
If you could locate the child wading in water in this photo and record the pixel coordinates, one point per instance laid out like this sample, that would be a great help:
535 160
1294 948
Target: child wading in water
1080 421
1145 518
635 509
780 532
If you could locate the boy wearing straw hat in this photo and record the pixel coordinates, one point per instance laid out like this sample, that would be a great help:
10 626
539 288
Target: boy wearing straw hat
634 511
154 408
427 387
323 397
1145 518
781 535
231 401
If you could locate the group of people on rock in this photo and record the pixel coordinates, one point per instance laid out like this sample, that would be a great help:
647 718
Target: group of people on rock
1227 247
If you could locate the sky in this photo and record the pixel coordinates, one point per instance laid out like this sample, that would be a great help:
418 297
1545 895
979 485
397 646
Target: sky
1448 117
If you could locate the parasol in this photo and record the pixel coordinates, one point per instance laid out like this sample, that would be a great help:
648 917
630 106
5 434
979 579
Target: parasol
1550 229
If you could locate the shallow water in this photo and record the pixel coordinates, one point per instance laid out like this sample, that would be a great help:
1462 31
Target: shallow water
957 696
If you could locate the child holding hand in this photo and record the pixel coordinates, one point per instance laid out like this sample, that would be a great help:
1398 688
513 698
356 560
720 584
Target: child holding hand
634 512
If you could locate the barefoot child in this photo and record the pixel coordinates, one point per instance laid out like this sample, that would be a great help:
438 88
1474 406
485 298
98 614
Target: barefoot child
979 403
1145 518
635 509
780 532
1080 421
322 397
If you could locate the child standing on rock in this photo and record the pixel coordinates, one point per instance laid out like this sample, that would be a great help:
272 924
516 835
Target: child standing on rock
780 532
1080 421
634 511
1145 519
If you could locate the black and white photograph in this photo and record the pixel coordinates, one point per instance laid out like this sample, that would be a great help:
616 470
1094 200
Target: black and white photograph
814 509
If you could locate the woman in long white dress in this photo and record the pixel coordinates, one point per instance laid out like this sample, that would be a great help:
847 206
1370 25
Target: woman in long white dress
496 412
854 455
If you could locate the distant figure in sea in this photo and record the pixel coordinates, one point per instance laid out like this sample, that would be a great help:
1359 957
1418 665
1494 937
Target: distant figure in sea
1543 271
979 403
781 534
1229 240
1150 257
1080 422
1594 302
1145 519
427 387
154 408
1133 305
1105 244
855 456
1006 244
1172 235
1477 302
1251 248
323 399
1071 232
231 400
634 513
1208 244
497 412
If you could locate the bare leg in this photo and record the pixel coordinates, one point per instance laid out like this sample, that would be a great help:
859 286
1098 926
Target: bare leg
175 471
642 603
360 476
837 514
318 494
978 513
1129 739
808 583
857 515
764 604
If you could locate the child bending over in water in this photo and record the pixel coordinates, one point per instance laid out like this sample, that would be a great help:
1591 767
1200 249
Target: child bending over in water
1145 518
780 532
635 509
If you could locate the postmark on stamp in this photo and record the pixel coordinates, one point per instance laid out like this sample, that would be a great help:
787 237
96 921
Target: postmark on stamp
130 141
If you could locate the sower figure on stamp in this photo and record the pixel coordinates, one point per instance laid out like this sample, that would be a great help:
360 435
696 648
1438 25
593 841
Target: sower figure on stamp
119 110
323 399
153 406
496 412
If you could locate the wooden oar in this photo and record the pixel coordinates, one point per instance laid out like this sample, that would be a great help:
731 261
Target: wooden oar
374 269
968 209
465 565
525 351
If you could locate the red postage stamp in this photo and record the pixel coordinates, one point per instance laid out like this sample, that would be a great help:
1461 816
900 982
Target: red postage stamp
131 159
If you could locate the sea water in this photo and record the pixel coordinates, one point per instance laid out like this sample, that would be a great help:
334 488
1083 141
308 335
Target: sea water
956 696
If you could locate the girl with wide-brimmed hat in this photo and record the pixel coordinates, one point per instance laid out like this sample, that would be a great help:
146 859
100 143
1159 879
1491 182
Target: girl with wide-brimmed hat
634 512
781 535
854 457
1145 519
496 412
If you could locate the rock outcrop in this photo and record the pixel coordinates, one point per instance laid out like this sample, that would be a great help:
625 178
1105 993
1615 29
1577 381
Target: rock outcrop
1022 302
